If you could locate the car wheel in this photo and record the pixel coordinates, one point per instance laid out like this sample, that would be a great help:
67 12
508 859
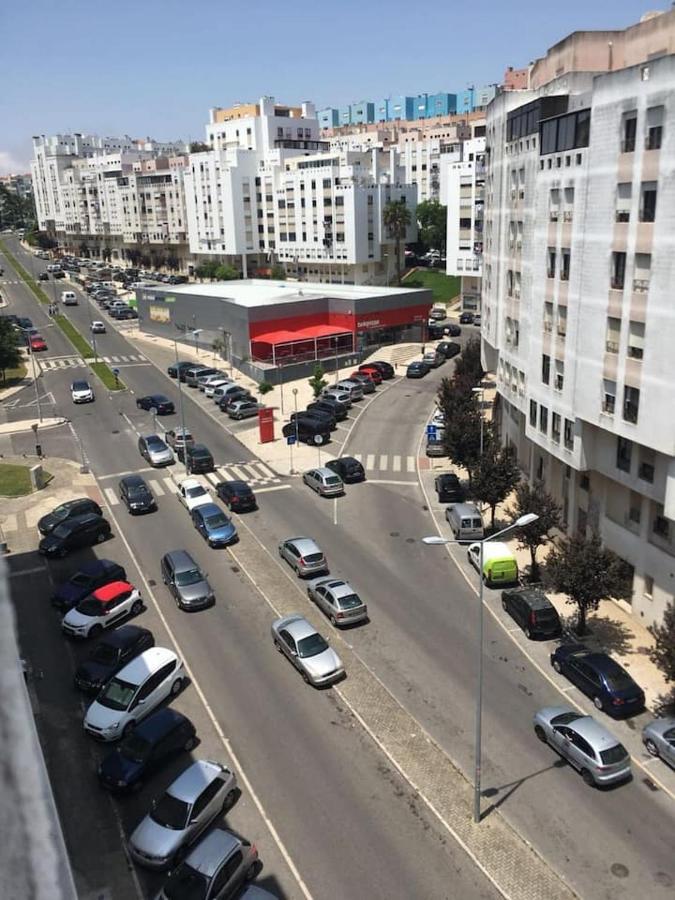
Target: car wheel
128 728
556 665
305 677
176 686
190 744
137 608
228 803
651 747
528 634
541 734
333 621
317 439
588 778
95 630
597 702
504 605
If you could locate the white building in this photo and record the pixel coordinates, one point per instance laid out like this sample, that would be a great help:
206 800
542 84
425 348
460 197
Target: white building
579 263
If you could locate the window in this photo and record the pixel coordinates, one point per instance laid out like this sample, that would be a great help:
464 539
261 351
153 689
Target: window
647 463
555 427
648 587
618 273
562 321
624 453
543 420
636 339
548 317
565 265
654 128
569 434
647 201
628 132
661 525
624 192
609 396
613 334
550 269
635 508
631 404
533 413
559 375
545 368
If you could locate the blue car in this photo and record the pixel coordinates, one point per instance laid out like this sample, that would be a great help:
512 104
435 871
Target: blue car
87 579
601 678
417 370
214 526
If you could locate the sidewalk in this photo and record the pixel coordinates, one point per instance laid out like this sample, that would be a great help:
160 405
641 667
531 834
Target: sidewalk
27 424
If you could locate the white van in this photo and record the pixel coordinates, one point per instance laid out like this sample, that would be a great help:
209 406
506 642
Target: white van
69 298
53 267
466 521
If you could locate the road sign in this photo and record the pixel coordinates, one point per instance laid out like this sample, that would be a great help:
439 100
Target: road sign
290 439
432 432
116 371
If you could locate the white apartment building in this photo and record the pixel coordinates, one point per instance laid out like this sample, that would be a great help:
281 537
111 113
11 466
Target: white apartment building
463 192
579 263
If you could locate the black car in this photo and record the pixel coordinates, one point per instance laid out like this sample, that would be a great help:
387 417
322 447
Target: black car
80 531
349 469
386 369
159 402
466 318
321 414
533 611
227 399
65 511
435 331
24 322
333 407
601 678
175 368
177 279
111 654
43 276
448 488
237 495
199 458
308 431
136 495
417 370
128 312
149 747
453 330
88 578
448 349
59 274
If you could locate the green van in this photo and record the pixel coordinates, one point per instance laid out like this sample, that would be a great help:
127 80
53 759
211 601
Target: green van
499 563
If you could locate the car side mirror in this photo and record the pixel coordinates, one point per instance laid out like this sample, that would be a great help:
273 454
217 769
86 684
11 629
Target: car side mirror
141 702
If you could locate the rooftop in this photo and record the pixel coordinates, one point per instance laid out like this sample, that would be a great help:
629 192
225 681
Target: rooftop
261 292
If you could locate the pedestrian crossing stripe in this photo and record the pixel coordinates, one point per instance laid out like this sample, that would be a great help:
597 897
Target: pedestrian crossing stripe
398 463
65 362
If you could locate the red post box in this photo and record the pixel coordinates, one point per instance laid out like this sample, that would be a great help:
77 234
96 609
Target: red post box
266 424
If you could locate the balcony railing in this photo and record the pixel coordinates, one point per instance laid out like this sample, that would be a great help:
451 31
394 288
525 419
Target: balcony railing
612 346
641 285
567 215
635 352
616 283
622 215
628 145
609 404
565 275
553 215
630 411
548 327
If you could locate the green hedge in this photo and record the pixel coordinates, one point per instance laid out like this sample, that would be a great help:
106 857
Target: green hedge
74 336
36 289
107 376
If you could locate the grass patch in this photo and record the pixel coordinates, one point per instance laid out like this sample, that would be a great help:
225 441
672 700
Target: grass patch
74 336
24 275
14 480
13 376
105 373
443 287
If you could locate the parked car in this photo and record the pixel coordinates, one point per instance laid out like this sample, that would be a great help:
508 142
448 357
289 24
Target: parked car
136 494
230 394
324 481
499 563
88 578
330 407
585 744
186 809
174 370
147 749
58 274
373 372
37 343
178 437
448 349
153 449
133 693
191 493
417 370
221 863
81 531
158 402
243 409
453 330
308 430
194 373
204 380
466 318
338 600
187 583
237 495
97 327
112 652
448 488
659 739
307 650
353 388
81 392
530 608
102 609
68 510
438 419
385 368
304 556
197 457
214 526
433 358
603 679
337 396
125 313
435 447
476 320
465 521
43 276
349 469
212 386
364 379
438 313
319 415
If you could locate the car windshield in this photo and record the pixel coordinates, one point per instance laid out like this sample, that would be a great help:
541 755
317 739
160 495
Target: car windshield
190 577
135 748
332 479
311 646
171 813
197 491
185 883
565 718
217 520
105 654
91 607
614 754
81 579
155 443
117 694
61 512
80 386
350 601
61 531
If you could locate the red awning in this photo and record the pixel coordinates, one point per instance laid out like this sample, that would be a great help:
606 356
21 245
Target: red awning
303 334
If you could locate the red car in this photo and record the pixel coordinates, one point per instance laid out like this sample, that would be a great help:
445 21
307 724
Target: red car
37 342
374 373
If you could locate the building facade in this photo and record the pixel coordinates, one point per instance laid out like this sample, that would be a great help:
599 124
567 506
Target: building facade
578 321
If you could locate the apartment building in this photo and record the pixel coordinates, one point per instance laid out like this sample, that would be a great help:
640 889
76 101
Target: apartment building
578 269
17 184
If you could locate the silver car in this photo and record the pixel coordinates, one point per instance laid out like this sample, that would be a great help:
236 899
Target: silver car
155 451
353 388
309 652
659 739
304 555
203 381
324 481
188 806
218 866
339 396
338 600
584 743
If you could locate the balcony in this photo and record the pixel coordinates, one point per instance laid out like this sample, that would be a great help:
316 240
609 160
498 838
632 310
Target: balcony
612 346
622 215
553 215
616 284
630 412
628 145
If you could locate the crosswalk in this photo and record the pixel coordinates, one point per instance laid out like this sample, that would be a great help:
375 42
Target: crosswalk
385 462
70 362
254 472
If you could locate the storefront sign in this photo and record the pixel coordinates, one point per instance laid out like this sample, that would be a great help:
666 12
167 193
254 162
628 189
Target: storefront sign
368 323
160 314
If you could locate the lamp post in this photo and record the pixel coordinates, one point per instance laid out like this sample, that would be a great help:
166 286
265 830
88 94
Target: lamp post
479 391
295 403
435 539
31 353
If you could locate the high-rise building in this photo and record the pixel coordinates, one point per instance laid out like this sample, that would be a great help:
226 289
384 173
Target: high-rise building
578 269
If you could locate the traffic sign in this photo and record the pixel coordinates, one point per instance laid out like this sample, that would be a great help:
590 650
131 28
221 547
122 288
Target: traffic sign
290 439
432 432
116 371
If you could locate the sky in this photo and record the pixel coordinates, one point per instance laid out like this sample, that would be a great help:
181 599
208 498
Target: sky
156 67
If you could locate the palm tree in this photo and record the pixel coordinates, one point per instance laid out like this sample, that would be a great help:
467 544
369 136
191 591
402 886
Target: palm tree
396 217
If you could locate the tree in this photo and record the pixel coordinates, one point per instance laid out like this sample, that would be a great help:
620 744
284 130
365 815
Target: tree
317 382
534 498
226 273
461 435
264 388
207 269
663 652
278 273
396 217
10 354
496 475
432 219
588 573
173 262
219 346
469 363
199 147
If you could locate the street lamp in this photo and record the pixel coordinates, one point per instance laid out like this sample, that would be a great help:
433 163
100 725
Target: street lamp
436 539
479 390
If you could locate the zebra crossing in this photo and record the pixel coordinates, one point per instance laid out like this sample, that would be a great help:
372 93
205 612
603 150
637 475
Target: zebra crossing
70 362
385 462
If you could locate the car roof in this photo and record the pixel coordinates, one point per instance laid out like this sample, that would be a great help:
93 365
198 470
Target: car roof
145 664
109 591
95 567
153 438
182 560
448 476
297 626
324 471
600 661
193 780
191 483
212 850
237 486
156 726
308 545
339 587
81 384
534 597
595 733
199 448
208 509
133 481
123 636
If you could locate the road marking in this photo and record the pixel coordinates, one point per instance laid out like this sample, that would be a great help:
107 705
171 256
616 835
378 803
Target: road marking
357 457
273 487
112 359
266 469
157 488
238 474
370 461
410 463
120 474
111 496
388 481
383 462
396 463
32 571
214 721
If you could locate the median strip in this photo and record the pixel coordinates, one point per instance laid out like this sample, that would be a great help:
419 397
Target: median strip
24 275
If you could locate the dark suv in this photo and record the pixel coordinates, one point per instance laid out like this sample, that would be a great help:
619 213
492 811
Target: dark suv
82 531
448 488
332 407
533 611
111 654
319 414
309 431
136 495
199 458
91 576
65 511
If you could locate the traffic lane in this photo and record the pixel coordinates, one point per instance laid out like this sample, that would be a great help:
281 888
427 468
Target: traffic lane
303 751
419 602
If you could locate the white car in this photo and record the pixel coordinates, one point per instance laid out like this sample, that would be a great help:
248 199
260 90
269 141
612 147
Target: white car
106 606
192 493
81 392
213 386
438 419
97 327
137 689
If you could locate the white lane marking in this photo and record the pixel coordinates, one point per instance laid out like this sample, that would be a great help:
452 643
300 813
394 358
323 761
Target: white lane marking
411 464
383 462
157 488
214 721
396 463
335 521
370 461
357 457
268 473
32 571
213 478
170 485
388 481
239 474
113 359
111 496
274 487
120 474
